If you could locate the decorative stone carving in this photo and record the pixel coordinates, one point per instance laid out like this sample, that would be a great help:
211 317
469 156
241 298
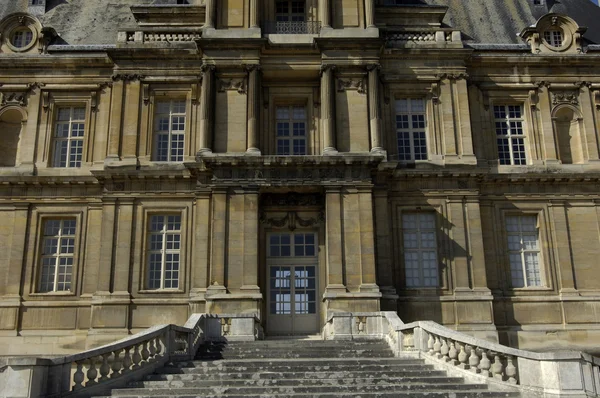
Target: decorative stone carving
292 220
453 76
127 77
357 84
238 85
18 99
597 99
146 93
565 97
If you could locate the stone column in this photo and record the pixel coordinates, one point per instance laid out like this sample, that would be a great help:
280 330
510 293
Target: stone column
333 238
218 239
206 108
114 130
106 253
370 13
325 14
17 251
210 13
327 109
385 265
254 13
374 110
253 108
131 120
125 215
250 277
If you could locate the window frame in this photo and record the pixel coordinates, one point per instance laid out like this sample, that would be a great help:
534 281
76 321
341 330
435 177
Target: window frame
411 130
439 278
140 273
69 139
59 100
524 136
280 95
290 14
56 255
159 93
163 234
156 132
522 252
34 260
291 138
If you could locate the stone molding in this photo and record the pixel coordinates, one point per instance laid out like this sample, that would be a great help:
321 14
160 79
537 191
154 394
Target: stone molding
234 84
565 97
356 83
292 220
13 98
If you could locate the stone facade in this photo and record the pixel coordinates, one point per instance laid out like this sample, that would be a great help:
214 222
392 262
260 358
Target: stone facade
292 160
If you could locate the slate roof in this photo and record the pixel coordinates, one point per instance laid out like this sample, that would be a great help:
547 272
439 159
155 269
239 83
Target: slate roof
89 22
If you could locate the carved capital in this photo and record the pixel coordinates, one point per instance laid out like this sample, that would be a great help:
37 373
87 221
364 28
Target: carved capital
252 67
207 68
146 93
582 84
597 99
375 66
127 77
453 76
292 220
541 83
326 67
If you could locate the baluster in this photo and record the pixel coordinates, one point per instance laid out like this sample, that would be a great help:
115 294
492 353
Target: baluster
430 343
437 347
159 346
116 364
462 356
485 364
78 376
497 368
473 360
92 373
104 368
136 357
445 349
152 348
452 353
511 370
145 351
127 360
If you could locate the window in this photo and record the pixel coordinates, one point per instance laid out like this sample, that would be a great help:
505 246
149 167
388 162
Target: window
554 37
57 254
170 131
21 37
524 251
164 252
411 129
292 245
290 11
510 134
68 137
420 249
291 130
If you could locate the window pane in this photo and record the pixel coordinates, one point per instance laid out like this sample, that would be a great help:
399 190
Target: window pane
420 249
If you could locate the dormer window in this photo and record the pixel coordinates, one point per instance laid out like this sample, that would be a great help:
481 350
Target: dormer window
554 37
21 37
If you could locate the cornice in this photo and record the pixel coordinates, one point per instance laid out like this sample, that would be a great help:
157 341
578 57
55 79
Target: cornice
64 61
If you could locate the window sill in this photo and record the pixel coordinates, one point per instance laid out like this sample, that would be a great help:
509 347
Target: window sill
53 294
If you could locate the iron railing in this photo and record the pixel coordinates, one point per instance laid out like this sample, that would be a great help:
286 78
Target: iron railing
292 28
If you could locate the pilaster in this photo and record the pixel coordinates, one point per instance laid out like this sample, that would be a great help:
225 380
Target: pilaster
327 109
218 240
114 129
370 13
17 251
385 265
251 234
107 232
131 121
254 13
125 212
324 8
333 238
29 128
547 130
206 107
374 108
211 13
201 248
253 108
564 261
592 141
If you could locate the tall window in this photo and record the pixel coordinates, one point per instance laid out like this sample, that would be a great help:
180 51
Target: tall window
420 249
68 137
170 131
510 134
411 129
291 130
58 251
294 11
164 252
524 251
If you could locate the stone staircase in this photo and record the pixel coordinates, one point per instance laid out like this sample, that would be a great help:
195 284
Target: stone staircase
302 368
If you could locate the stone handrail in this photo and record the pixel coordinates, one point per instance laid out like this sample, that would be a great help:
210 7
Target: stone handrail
556 374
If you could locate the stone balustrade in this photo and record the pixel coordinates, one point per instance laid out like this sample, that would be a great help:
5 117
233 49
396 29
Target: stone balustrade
550 374
96 371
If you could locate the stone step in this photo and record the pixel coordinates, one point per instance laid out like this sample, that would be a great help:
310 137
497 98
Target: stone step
299 389
409 394
299 355
335 380
270 374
